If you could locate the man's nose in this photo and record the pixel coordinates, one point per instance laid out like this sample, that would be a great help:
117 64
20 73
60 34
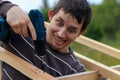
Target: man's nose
62 33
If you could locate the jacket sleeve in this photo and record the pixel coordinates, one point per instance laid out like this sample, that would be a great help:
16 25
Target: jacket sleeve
5 6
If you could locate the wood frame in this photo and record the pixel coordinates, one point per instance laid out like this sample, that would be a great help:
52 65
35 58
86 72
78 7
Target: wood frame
111 51
23 66
103 70
89 75
117 67
96 69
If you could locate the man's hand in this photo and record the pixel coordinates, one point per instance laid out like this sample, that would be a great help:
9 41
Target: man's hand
20 22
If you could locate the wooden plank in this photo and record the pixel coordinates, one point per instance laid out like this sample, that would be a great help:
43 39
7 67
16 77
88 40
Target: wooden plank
103 70
117 67
46 24
23 66
0 69
99 46
89 75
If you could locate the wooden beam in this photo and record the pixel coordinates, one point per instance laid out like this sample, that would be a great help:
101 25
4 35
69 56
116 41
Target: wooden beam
103 70
0 69
117 67
46 24
89 75
99 46
24 67
36 74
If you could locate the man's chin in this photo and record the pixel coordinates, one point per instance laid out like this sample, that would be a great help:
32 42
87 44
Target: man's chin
56 47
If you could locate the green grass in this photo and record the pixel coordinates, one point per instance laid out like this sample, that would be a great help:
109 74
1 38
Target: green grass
95 55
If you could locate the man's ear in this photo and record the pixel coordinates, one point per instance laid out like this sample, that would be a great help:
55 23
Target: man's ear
50 14
81 32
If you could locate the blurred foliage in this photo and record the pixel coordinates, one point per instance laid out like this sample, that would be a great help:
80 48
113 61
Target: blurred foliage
45 3
45 13
105 21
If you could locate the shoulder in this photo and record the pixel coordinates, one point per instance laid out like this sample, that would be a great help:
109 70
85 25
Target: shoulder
5 6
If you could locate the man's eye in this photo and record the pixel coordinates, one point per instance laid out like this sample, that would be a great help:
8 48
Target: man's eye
59 24
72 31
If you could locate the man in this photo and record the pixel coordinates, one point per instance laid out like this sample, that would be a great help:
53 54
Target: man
68 20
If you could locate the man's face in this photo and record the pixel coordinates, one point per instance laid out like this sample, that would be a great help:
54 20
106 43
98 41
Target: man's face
62 31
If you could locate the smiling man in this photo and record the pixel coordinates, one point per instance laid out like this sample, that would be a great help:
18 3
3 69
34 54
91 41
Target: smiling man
63 29
68 20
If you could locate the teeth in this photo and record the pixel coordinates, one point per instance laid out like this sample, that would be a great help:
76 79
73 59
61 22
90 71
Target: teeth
60 40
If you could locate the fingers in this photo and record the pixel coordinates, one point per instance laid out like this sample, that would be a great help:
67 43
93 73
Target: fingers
32 30
24 28
24 31
20 22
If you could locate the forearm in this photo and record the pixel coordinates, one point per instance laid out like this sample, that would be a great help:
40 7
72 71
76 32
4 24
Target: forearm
5 6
